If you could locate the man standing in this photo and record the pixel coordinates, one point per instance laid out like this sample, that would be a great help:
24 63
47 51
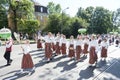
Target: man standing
8 50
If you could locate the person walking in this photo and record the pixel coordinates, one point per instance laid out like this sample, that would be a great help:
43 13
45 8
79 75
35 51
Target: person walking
63 45
85 45
48 47
71 48
8 51
104 49
78 49
93 50
27 62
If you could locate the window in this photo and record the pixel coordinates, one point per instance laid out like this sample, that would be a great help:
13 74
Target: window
41 9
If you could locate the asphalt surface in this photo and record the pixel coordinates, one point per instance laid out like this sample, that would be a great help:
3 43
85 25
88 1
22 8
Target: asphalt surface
61 68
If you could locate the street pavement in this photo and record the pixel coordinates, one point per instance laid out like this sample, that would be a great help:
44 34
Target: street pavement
61 68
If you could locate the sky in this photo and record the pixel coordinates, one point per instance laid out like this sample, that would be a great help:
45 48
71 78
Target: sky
73 5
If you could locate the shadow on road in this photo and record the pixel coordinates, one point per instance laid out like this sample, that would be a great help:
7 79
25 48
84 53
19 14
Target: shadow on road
87 73
3 66
62 64
17 76
112 69
8 73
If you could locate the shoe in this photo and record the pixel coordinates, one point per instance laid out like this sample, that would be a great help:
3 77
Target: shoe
51 59
10 61
33 69
29 73
7 65
47 61
20 72
90 65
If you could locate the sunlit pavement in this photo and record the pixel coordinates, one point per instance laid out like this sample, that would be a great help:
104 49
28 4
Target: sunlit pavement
61 68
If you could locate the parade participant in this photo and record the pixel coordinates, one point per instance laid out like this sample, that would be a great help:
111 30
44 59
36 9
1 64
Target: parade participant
48 47
71 48
93 49
58 38
8 51
117 41
109 40
27 62
53 43
39 42
104 47
85 46
63 45
99 39
78 47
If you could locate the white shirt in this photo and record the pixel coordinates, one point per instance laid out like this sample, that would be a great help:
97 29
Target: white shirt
58 39
93 43
63 40
26 48
71 42
86 41
9 44
104 44
79 42
48 39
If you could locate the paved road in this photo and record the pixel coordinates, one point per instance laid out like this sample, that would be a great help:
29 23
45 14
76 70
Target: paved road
61 68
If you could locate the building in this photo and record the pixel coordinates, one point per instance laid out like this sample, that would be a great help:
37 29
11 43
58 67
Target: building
41 14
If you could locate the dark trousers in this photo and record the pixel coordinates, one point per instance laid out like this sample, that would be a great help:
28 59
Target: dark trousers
7 56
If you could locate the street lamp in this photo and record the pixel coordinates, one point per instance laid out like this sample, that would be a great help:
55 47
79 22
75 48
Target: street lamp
62 18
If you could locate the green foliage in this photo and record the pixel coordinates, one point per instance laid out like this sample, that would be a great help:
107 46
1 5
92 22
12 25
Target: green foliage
59 23
96 20
53 9
24 8
99 19
116 19
78 23
28 26
3 14
53 23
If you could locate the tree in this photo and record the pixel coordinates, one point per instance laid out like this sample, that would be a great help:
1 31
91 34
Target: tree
89 11
86 15
3 14
66 22
53 23
116 19
77 24
19 9
28 26
101 21
53 9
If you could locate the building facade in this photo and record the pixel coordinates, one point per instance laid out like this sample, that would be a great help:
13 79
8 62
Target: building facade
41 14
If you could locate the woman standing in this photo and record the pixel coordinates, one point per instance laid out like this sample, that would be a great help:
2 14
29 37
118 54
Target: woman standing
57 51
93 49
85 46
63 45
71 53
104 46
78 47
48 47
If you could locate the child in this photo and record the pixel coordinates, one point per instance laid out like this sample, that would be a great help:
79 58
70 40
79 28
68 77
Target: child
27 62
